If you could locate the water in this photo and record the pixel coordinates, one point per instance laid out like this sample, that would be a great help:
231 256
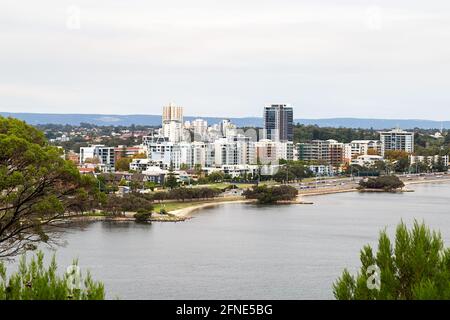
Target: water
243 251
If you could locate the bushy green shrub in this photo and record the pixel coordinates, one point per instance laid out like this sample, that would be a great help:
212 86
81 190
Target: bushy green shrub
387 183
270 195
34 281
142 215
416 267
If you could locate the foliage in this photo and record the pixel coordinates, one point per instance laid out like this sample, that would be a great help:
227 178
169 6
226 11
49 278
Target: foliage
171 180
183 194
37 186
416 267
142 215
122 164
382 182
304 133
129 202
292 171
216 176
271 195
34 281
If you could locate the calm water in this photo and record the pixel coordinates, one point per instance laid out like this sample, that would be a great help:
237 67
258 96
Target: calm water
241 251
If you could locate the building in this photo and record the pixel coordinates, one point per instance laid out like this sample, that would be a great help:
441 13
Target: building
172 122
270 152
329 151
429 160
322 170
200 129
278 122
398 140
100 155
366 160
128 152
361 147
73 156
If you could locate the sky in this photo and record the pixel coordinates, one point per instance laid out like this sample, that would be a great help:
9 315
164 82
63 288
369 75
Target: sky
354 58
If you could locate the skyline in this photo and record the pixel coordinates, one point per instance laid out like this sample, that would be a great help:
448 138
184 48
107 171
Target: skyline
361 59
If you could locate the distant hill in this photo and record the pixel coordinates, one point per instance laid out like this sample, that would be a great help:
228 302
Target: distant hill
155 120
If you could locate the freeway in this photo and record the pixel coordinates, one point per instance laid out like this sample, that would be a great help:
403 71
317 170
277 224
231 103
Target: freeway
341 184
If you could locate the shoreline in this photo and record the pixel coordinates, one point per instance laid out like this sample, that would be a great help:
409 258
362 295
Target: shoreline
333 191
184 214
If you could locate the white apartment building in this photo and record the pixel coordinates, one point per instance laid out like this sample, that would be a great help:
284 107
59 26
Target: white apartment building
322 170
429 159
200 129
361 147
366 160
98 153
397 139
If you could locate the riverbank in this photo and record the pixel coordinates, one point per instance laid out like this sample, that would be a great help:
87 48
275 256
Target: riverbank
182 210
354 187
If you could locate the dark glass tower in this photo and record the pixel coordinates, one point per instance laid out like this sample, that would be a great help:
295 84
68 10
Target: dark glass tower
279 122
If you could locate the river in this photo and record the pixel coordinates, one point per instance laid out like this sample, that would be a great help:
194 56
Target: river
244 251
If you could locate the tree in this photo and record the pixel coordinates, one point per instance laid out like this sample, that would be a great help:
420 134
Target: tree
142 215
216 176
416 267
37 187
34 281
271 195
171 180
387 183
140 156
122 164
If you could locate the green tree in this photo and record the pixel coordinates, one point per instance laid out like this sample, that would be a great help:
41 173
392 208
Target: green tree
387 183
34 281
123 164
417 266
216 176
171 180
37 187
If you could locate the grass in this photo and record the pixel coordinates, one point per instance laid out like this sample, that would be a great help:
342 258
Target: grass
176 205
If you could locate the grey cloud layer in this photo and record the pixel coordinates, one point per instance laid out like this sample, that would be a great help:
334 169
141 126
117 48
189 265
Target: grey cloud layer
336 58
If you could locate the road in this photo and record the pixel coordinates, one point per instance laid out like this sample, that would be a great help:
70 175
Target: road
338 184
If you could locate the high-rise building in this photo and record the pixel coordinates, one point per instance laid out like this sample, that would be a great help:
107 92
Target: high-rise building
328 151
172 122
397 139
278 122
200 129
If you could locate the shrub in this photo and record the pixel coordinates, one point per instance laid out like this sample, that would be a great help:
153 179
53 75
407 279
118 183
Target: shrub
142 215
417 267
269 195
33 281
387 183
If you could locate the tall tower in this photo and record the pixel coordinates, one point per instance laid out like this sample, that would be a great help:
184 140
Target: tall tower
172 112
172 122
279 122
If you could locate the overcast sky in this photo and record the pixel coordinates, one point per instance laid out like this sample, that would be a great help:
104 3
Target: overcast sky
354 58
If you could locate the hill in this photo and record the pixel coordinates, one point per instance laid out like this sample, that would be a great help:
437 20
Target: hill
155 120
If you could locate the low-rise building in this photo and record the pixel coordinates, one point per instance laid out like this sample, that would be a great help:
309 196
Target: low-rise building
366 160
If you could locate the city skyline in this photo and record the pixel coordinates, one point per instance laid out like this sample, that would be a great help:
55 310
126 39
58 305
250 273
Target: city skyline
383 59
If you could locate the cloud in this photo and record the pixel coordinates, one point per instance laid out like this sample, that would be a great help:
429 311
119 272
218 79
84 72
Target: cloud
329 59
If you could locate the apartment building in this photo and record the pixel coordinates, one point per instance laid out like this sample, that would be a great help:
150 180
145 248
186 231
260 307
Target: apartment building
99 154
278 122
397 139
328 151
